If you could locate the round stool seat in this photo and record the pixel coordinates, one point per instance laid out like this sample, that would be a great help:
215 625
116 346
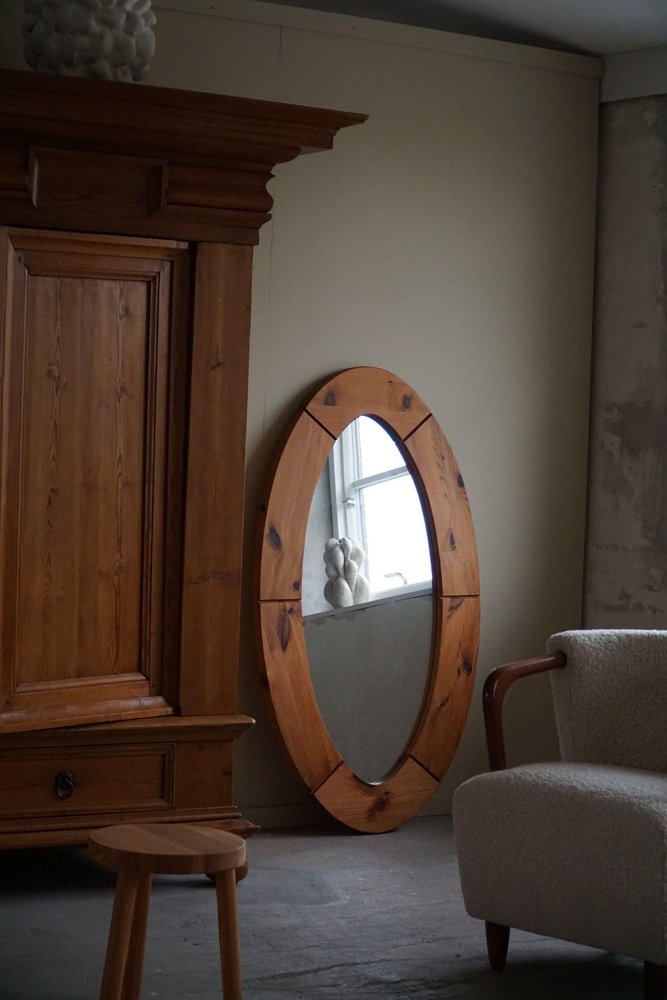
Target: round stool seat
168 849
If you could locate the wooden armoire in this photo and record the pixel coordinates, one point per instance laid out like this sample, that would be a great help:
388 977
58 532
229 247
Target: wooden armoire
128 218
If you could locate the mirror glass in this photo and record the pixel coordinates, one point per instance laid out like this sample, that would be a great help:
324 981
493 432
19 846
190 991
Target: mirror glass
367 598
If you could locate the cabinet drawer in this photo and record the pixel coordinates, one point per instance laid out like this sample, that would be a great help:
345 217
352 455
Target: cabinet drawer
91 779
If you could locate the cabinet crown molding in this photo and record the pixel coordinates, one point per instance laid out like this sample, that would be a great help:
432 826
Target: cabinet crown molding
189 165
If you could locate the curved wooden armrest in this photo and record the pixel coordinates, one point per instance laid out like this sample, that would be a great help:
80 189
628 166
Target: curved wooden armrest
495 689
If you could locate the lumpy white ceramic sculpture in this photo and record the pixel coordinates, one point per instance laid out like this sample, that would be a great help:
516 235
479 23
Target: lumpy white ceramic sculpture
343 559
108 39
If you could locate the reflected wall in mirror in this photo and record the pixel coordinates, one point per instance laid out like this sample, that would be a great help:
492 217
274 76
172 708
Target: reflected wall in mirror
382 787
369 656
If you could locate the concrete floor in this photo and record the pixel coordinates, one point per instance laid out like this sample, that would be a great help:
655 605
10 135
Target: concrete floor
323 914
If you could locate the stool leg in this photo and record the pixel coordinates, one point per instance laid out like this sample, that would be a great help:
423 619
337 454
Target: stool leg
120 931
230 951
135 959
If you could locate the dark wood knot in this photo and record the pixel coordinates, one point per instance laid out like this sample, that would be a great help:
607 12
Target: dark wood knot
285 628
274 538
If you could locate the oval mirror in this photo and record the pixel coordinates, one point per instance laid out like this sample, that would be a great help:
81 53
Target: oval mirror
372 791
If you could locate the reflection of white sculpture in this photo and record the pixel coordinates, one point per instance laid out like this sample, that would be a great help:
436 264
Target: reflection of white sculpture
343 559
108 39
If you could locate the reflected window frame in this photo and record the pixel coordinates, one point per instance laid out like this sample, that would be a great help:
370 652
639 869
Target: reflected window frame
348 485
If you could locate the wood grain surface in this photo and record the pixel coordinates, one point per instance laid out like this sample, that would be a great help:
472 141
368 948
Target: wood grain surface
285 515
379 807
86 401
447 508
215 481
370 391
288 676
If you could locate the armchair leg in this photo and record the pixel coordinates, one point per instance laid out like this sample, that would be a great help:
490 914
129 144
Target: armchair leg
655 981
497 942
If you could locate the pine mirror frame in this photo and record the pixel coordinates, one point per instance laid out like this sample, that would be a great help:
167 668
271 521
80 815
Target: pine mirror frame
371 807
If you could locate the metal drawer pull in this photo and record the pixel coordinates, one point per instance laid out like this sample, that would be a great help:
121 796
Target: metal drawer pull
64 784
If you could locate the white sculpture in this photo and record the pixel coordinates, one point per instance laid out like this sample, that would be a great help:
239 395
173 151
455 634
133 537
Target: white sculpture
108 39
343 559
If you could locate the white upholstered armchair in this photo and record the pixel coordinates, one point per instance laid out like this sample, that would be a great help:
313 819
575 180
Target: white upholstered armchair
577 849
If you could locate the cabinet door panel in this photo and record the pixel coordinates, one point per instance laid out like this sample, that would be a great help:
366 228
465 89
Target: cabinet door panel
82 478
86 417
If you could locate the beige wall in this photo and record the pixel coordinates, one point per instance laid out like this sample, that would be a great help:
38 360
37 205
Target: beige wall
449 239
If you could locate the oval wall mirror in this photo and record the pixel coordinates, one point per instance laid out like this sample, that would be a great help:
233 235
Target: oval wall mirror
368 599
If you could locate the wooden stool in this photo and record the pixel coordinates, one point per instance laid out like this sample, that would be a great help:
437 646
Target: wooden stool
137 852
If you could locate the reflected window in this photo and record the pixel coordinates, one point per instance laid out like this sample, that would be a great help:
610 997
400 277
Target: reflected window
374 499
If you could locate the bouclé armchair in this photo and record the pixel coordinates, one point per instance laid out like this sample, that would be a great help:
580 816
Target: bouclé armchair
577 849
